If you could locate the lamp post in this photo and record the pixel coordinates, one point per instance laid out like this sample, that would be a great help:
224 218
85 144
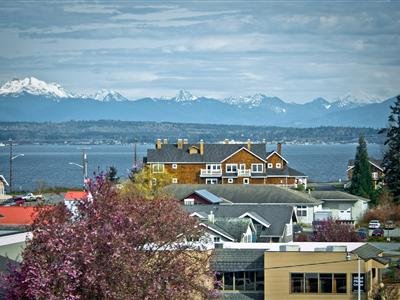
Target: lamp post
83 166
348 257
12 157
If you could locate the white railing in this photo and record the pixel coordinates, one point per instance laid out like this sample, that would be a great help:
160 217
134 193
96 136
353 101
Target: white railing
206 172
245 173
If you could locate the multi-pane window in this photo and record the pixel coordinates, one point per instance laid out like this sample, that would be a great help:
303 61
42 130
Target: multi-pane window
323 283
257 168
188 201
240 281
211 181
157 168
231 168
301 211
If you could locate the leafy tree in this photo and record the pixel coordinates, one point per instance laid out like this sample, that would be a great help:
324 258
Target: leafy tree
147 183
332 231
361 180
112 174
391 159
116 248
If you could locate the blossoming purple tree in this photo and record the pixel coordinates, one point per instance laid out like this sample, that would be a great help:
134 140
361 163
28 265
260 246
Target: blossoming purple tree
117 247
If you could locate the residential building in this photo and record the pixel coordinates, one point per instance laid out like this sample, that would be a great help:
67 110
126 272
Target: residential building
376 171
72 198
226 194
224 163
269 223
297 270
339 205
3 184
17 216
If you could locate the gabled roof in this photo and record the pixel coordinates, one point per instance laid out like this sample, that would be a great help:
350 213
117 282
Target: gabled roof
255 216
3 180
375 162
368 251
17 215
76 195
336 196
285 171
245 194
277 215
275 152
213 153
244 149
210 197
231 260
236 227
218 230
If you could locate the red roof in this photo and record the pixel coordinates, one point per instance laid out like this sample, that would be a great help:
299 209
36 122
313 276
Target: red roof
75 195
17 215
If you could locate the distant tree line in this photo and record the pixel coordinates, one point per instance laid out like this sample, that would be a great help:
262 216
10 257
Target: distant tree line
108 131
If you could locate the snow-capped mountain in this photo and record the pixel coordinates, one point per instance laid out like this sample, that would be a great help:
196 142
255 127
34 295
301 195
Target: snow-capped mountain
254 100
107 96
34 86
184 96
349 100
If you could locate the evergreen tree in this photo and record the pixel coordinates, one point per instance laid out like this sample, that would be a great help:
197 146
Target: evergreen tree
391 159
361 180
112 174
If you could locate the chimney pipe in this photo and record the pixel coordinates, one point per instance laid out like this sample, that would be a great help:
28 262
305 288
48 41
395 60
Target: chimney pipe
180 144
211 217
201 144
279 148
165 141
226 141
158 144
185 141
248 144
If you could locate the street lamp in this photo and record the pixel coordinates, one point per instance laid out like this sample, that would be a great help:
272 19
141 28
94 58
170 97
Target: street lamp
83 166
12 157
348 257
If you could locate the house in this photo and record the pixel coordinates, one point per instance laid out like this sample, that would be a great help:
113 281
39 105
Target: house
269 223
339 205
297 270
227 194
224 163
17 216
3 184
376 171
72 198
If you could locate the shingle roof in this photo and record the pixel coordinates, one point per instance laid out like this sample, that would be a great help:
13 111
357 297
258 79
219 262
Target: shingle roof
377 162
231 260
208 196
368 251
285 171
234 226
277 215
212 152
336 196
17 215
245 194
218 229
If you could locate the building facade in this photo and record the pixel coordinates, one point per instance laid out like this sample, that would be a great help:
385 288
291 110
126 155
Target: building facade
376 171
224 163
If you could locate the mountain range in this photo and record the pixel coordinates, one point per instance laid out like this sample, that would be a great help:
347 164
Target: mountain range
31 99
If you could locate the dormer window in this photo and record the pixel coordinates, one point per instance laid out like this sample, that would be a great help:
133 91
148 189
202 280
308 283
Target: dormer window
194 150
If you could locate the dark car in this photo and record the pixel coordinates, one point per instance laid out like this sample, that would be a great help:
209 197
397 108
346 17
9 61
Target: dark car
377 232
297 228
362 233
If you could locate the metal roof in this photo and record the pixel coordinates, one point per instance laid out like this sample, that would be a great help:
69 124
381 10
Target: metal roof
208 196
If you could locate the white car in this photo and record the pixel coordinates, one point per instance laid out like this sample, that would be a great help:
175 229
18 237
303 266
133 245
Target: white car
373 224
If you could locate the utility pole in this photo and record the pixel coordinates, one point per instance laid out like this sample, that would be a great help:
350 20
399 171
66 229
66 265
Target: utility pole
11 159
135 163
84 163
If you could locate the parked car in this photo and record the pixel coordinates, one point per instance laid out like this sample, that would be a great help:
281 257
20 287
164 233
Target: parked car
297 228
31 197
373 224
363 233
389 225
377 232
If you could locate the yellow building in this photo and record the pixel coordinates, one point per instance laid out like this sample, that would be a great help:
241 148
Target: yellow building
325 273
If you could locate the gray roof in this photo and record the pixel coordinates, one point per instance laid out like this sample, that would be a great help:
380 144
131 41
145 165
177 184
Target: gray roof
336 196
214 227
285 171
234 226
277 215
242 295
212 152
368 251
231 260
245 194
377 162
208 196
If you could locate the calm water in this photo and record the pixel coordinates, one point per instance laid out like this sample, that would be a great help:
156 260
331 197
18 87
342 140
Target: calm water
49 163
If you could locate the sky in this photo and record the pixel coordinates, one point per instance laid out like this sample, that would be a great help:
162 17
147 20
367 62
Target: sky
295 50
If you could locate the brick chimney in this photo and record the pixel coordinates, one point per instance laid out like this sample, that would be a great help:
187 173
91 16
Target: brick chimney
158 144
180 144
248 144
201 144
279 148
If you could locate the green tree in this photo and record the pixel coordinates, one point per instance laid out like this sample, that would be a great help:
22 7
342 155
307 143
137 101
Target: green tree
361 180
112 174
391 159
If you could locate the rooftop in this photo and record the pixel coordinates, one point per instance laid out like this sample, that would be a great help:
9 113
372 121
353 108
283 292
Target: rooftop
336 196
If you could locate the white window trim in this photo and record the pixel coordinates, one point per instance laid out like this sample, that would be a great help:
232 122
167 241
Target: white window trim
242 167
188 201
231 165
246 181
270 165
257 169
213 167
278 165
174 180
211 181
230 180
301 208
174 166
158 166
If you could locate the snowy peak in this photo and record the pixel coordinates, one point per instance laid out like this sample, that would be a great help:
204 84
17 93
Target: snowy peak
184 96
33 86
349 100
254 100
321 102
108 95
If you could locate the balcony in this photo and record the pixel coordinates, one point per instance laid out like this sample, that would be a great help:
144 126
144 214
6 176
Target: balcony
210 173
243 173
